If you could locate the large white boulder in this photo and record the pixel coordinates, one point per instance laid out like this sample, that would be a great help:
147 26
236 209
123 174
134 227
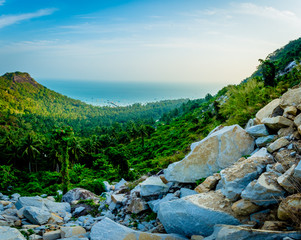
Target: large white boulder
110 230
217 151
196 214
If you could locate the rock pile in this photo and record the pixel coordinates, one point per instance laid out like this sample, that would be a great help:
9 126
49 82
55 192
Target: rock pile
252 190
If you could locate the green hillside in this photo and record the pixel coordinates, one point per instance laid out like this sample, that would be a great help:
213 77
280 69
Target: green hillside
110 143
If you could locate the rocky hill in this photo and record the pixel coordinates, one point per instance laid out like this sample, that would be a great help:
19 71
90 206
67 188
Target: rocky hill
250 189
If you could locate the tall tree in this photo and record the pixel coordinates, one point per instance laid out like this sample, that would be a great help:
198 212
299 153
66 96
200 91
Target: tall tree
268 72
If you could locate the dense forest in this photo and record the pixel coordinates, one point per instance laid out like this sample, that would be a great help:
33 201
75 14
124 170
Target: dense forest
51 142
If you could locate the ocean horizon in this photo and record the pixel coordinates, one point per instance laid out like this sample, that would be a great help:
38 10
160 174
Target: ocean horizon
123 94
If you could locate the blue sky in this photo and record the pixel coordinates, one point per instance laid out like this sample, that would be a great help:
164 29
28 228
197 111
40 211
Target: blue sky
184 41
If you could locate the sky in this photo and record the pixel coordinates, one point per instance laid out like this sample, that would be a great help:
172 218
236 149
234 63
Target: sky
170 41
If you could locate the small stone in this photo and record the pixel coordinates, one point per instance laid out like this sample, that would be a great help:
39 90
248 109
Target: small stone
290 110
263 141
290 208
274 225
67 232
279 143
287 181
276 123
53 235
258 131
244 207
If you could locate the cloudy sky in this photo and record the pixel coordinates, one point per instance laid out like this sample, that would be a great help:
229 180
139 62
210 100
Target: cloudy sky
185 41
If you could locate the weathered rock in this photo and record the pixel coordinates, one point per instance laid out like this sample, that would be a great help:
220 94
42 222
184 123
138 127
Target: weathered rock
258 131
55 219
217 151
109 230
118 198
60 209
275 225
263 141
284 157
120 184
244 207
36 215
137 205
8 233
287 180
225 232
30 201
264 191
291 98
155 204
209 183
297 120
153 186
252 122
297 171
52 235
35 237
290 208
268 110
184 192
78 194
279 143
196 214
276 123
235 178
290 110
283 132
67 232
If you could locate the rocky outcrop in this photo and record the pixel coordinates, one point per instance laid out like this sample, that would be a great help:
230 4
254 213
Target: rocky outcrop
217 151
109 230
196 214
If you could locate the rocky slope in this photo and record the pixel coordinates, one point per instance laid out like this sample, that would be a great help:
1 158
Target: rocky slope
251 190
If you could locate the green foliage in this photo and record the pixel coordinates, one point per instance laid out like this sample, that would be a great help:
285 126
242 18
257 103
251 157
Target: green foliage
94 185
199 181
268 72
7 177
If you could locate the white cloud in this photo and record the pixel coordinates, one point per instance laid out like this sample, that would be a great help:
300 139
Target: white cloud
6 20
267 12
2 2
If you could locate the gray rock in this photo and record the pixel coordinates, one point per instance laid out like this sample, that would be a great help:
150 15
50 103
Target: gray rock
60 209
153 186
78 194
107 186
78 210
155 204
109 230
30 201
236 178
258 131
36 215
120 184
297 171
279 143
184 192
276 123
196 214
264 191
218 150
8 233
263 141
225 232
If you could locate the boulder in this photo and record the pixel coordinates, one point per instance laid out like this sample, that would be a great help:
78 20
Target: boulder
279 143
224 232
217 151
286 159
209 183
244 207
60 209
196 214
184 192
287 180
264 191
74 231
268 110
263 141
153 186
275 225
276 123
120 184
30 201
78 194
235 178
290 208
110 230
55 219
291 98
258 131
283 132
36 215
137 205
155 204
8 233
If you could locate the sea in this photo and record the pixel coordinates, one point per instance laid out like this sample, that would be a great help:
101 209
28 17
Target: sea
122 94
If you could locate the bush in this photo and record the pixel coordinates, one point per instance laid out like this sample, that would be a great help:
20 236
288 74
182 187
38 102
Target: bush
96 186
